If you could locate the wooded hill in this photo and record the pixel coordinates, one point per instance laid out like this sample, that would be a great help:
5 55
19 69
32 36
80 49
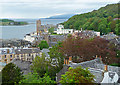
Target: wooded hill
106 19
11 22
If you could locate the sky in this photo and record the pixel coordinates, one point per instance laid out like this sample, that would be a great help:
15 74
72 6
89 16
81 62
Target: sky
47 8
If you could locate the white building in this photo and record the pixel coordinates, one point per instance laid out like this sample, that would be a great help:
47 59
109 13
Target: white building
61 30
30 37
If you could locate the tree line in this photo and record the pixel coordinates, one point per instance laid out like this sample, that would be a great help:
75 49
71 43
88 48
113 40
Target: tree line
11 22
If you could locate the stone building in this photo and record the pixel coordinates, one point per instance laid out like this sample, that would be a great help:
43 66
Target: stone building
25 54
54 39
6 55
14 43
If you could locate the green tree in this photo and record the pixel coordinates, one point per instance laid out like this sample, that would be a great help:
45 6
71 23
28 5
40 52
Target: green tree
117 29
35 78
71 27
51 30
86 25
43 44
116 16
43 65
113 26
109 19
102 28
56 56
40 65
77 75
11 74
91 26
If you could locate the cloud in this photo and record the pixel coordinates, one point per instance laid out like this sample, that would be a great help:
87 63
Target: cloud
44 8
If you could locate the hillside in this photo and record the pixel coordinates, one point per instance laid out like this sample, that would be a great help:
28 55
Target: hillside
6 22
106 19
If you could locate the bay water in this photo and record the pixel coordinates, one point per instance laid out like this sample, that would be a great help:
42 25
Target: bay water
18 32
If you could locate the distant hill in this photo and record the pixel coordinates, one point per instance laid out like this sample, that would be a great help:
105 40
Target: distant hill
64 16
6 22
106 19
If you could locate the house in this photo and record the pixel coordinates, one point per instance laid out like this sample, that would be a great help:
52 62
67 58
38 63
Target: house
54 39
116 19
6 55
25 54
30 37
61 30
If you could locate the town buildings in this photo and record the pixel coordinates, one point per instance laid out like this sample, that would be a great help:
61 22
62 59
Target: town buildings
112 38
16 43
30 37
86 34
61 30
25 54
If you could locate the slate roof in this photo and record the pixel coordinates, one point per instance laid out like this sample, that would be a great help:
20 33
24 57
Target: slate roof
5 51
96 67
27 51
23 65
46 52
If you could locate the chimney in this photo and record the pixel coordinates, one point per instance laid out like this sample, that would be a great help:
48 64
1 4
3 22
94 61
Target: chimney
70 58
105 67
96 56
100 58
8 51
67 62
64 61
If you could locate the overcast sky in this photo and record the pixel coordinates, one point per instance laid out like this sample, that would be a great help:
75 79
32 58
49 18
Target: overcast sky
46 8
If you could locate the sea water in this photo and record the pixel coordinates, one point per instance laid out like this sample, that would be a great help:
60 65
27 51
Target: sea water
18 32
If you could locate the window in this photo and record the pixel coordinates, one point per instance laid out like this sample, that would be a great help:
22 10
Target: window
54 40
18 56
10 56
29 54
21 55
5 56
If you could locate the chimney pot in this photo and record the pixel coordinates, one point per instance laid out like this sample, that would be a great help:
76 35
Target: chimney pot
106 68
96 56
64 61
